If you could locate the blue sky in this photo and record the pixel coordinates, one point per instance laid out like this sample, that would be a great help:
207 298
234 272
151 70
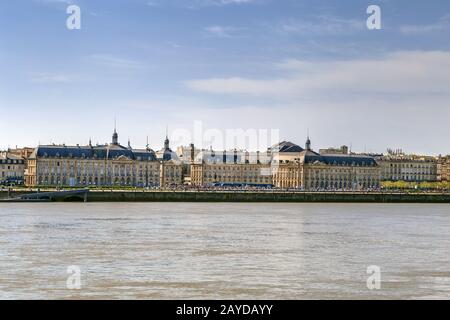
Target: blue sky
262 64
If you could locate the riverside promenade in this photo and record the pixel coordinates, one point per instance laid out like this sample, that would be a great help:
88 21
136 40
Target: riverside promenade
192 195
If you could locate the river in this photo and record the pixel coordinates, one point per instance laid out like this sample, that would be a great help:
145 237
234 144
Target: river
224 250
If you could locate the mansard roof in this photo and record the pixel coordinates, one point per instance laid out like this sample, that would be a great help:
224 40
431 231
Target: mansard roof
341 160
6 157
92 152
286 146
167 154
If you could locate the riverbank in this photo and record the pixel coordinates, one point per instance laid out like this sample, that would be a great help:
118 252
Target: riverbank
249 196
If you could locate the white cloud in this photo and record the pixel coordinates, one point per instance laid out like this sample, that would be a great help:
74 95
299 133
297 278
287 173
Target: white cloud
400 100
225 2
48 77
441 25
194 4
55 2
402 73
321 25
115 62
222 31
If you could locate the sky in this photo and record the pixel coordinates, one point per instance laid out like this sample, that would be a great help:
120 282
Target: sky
286 66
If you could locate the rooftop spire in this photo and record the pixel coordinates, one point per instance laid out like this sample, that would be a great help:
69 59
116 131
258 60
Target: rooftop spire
308 142
115 136
166 142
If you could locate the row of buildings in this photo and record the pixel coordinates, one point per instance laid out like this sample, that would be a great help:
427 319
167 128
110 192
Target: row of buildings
285 165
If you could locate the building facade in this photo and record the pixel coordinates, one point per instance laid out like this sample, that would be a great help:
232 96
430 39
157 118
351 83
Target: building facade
444 169
288 166
12 168
309 170
285 166
100 165
233 167
409 168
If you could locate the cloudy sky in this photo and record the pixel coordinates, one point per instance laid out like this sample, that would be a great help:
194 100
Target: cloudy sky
291 65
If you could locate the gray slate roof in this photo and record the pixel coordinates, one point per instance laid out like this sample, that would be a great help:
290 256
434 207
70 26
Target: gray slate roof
286 146
93 152
342 160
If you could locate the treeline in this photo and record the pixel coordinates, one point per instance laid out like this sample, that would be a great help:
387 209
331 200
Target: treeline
416 185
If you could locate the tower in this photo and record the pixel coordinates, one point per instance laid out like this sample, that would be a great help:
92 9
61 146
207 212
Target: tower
166 142
115 136
192 150
308 143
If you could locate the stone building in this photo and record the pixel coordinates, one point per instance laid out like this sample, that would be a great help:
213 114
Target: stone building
340 150
22 152
101 165
230 168
409 168
12 168
288 166
171 170
309 170
444 169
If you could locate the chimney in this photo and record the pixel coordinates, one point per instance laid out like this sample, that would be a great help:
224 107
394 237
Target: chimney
192 149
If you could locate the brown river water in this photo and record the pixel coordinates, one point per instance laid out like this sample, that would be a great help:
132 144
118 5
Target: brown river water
224 251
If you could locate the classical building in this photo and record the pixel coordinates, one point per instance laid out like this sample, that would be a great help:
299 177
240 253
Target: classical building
184 153
101 165
444 169
171 173
310 170
233 167
287 166
12 168
410 168
284 165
